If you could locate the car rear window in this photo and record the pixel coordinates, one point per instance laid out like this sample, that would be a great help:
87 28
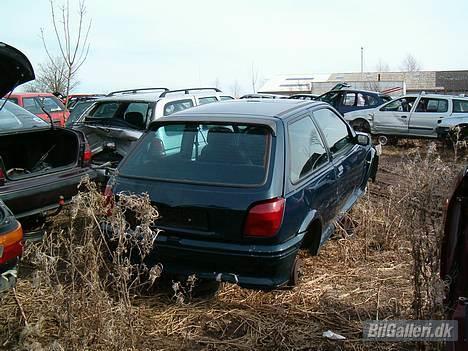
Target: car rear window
460 106
225 154
14 117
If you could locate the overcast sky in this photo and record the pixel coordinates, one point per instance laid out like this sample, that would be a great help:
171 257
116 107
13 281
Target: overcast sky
175 43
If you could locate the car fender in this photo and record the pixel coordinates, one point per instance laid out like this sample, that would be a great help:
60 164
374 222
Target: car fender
453 121
366 114
309 218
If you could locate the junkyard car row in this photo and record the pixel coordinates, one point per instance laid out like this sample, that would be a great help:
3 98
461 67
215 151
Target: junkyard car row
241 185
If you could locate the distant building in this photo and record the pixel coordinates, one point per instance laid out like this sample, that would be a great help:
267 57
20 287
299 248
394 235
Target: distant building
393 83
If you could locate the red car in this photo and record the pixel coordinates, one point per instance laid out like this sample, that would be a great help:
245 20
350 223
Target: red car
32 102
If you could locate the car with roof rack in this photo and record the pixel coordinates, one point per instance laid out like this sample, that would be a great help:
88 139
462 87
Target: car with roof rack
263 96
114 123
242 185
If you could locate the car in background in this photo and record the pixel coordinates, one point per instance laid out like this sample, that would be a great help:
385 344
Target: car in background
263 96
347 100
34 101
304 96
412 115
242 185
41 165
11 248
114 123
71 100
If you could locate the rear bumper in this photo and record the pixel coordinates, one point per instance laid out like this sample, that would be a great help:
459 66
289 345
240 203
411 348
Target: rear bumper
264 267
42 195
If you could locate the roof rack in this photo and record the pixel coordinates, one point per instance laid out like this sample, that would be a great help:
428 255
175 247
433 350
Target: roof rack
187 91
134 91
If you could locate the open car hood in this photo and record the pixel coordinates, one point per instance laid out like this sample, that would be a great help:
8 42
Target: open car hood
15 69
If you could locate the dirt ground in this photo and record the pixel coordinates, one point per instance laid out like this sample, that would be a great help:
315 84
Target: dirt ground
353 279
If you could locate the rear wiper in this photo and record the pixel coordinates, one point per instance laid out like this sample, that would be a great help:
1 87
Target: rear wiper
41 105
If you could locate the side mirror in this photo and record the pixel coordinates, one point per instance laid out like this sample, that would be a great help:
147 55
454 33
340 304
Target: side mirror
362 139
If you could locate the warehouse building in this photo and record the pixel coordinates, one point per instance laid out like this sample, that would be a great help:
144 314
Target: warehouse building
393 83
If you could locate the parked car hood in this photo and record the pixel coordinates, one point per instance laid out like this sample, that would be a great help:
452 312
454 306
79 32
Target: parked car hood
15 69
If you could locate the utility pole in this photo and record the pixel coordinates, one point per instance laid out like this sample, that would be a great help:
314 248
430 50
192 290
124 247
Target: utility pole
362 62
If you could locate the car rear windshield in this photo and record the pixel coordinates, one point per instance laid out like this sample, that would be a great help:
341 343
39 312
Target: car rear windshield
14 117
225 154
132 114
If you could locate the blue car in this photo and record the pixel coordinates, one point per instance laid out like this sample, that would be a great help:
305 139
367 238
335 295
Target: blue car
242 185
347 100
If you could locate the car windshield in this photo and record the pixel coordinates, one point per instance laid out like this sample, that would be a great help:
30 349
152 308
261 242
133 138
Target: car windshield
132 114
229 154
14 117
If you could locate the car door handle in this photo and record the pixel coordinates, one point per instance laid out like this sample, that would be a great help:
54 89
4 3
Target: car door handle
403 116
340 171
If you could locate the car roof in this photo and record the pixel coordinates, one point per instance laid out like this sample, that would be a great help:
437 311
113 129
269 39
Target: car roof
270 108
438 96
357 91
31 94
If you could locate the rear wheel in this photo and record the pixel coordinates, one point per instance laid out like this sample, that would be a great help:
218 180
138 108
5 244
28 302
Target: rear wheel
361 125
296 272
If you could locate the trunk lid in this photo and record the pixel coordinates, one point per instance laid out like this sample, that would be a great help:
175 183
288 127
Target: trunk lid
15 68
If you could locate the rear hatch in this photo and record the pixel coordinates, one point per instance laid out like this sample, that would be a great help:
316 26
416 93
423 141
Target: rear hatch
15 69
202 177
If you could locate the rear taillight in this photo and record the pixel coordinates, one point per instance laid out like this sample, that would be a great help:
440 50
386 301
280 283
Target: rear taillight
108 198
264 218
2 176
87 155
11 245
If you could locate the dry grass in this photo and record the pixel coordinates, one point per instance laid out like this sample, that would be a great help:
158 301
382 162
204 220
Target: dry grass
370 275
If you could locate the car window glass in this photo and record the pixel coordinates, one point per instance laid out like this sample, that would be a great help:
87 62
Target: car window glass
14 100
13 116
307 151
331 98
105 110
178 105
206 100
432 105
51 104
334 130
226 98
225 153
32 105
460 106
349 99
400 105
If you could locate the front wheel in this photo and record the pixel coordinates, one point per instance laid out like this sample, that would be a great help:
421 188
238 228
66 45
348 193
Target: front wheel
386 140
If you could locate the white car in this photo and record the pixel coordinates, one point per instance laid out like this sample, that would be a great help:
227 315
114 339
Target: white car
416 116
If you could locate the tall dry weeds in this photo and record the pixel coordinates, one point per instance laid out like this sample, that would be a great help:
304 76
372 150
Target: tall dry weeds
84 280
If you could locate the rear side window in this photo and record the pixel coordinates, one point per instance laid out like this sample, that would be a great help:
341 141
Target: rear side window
14 100
306 149
207 100
432 105
122 113
32 105
460 106
349 99
176 106
227 154
364 100
226 97
334 130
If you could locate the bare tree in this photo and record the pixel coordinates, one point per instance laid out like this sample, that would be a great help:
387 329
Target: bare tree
74 49
52 77
382 66
235 89
410 64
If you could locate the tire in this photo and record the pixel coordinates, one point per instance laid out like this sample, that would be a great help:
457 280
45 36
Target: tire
387 140
361 125
205 288
296 272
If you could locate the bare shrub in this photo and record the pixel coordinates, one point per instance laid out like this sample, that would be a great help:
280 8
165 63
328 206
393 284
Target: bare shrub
84 282
422 211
